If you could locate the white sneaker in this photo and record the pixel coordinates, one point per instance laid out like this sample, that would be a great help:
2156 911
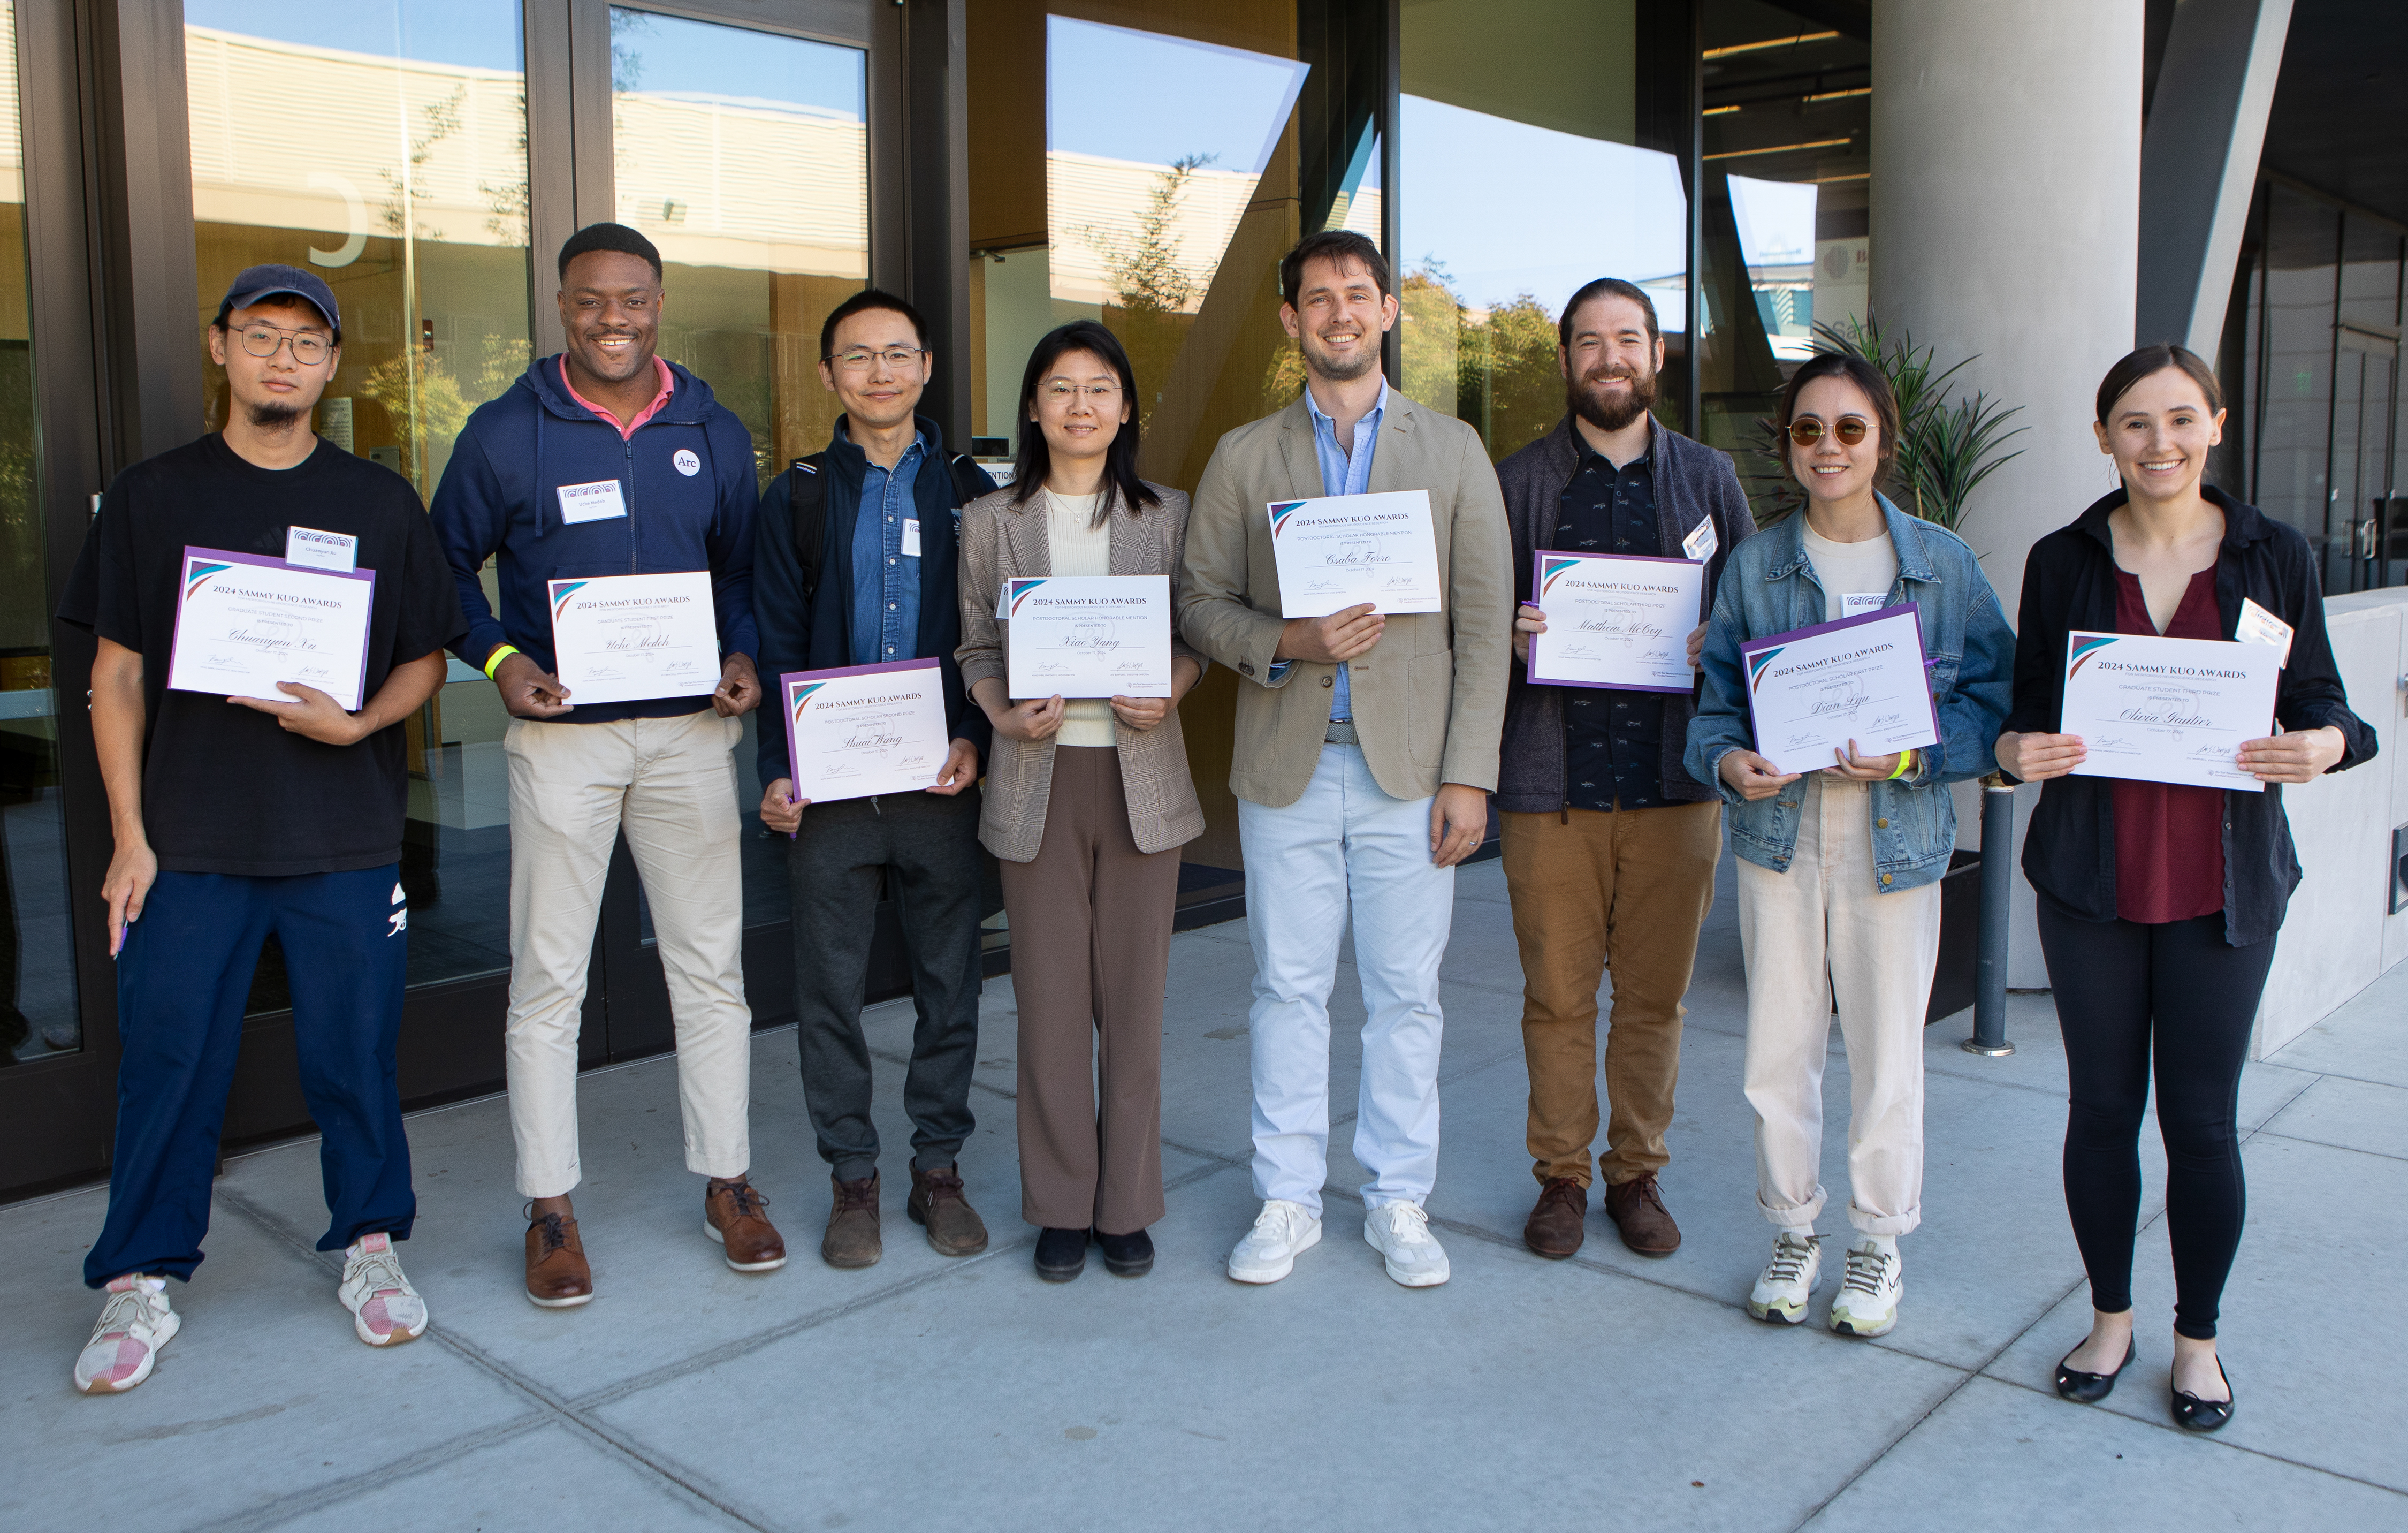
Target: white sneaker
1269 1252
1400 1232
1869 1295
386 1309
1788 1280
135 1323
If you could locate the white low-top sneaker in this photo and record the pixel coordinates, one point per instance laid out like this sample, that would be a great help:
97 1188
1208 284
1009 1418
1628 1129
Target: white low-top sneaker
135 1323
1400 1232
386 1309
1788 1280
1867 1304
1270 1249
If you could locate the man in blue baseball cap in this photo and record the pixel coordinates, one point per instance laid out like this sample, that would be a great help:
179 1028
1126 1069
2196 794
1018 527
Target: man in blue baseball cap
233 822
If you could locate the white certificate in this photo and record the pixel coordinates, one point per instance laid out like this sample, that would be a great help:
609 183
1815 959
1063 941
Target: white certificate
1615 620
245 622
2167 710
865 729
1814 689
1089 636
1340 551
627 638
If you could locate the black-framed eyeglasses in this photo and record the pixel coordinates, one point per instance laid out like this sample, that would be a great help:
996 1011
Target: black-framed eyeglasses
1806 431
859 358
261 338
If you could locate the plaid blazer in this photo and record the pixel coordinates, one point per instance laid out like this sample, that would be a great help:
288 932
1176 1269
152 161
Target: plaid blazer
1000 539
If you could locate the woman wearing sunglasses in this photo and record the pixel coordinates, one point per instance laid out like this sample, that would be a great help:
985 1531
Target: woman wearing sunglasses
1839 869
2159 903
1087 803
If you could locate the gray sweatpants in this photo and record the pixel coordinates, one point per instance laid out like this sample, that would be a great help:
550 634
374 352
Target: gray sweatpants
929 846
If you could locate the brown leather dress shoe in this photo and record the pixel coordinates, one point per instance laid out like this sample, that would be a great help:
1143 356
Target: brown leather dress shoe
557 1276
1559 1225
955 1228
732 1214
852 1239
1637 1208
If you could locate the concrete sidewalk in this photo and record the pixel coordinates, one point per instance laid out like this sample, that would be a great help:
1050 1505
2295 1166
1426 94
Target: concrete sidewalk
1606 1390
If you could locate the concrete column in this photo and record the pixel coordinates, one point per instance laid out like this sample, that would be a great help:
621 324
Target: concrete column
2006 175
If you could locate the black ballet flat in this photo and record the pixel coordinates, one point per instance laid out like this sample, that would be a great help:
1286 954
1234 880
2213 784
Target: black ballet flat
2193 1414
2090 1388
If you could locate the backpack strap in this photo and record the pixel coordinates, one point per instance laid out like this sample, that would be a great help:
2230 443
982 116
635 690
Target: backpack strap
967 474
807 504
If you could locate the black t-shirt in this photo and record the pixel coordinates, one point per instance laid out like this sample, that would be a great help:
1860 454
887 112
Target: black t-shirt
224 787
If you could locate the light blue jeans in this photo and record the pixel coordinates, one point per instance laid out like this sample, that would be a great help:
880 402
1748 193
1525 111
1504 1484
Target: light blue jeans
1345 843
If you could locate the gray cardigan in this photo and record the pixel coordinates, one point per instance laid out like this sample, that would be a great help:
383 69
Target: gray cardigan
1693 482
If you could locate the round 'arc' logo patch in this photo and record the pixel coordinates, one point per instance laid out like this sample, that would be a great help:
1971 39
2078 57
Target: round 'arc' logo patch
687 464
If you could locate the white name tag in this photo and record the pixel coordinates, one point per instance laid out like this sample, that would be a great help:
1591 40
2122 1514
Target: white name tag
1854 603
911 538
1701 541
2259 626
596 503
312 549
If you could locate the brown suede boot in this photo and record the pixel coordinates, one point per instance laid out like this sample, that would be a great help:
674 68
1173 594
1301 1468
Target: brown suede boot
852 1239
736 1215
1559 1225
955 1228
1638 1209
557 1276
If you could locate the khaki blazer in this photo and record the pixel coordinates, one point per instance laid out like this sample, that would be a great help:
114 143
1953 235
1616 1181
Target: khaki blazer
1000 539
1429 697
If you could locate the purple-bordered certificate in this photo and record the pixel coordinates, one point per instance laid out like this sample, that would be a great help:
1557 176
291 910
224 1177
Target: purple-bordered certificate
2160 710
244 622
631 638
1337 551
865 729
1615 620
1813 690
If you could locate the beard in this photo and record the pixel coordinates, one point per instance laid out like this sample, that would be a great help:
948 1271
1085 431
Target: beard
1587 399
1322 365
272 415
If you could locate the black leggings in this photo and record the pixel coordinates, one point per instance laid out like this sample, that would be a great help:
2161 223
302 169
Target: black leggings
2126 990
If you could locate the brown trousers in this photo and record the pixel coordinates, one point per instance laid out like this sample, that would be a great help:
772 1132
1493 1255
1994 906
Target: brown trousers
1594 891
1090 958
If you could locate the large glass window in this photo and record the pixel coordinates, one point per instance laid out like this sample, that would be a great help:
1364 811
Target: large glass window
1526 175
38 989
398 174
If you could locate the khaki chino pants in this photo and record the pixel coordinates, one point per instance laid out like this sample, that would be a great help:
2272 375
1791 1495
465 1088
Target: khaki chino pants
1596 892
670 784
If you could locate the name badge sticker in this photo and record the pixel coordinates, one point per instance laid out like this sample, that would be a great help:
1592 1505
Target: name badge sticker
596 503
308 548
911 538
1701 541
2259 626
1851 604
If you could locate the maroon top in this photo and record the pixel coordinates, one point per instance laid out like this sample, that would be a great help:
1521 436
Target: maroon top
2169 836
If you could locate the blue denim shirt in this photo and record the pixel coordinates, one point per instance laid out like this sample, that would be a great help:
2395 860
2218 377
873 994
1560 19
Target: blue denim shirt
885 583
1345 473
1768 587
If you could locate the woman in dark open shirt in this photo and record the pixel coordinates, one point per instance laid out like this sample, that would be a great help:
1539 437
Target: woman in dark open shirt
2159 902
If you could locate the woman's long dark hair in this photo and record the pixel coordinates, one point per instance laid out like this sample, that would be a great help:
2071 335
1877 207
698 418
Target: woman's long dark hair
1121 486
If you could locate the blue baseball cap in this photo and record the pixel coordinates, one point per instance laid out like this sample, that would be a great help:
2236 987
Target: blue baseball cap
257 282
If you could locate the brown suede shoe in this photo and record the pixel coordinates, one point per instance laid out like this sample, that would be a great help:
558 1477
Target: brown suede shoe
732 1214
955 1228
1558 1224
852 1239
1638 1209
557 1276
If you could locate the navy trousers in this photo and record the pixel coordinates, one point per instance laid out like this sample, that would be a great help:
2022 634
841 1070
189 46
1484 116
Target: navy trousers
182 979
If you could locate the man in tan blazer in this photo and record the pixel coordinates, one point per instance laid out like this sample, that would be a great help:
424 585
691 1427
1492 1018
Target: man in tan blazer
1364 759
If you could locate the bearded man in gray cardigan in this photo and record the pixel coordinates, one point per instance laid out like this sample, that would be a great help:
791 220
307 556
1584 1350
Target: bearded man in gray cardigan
1610 845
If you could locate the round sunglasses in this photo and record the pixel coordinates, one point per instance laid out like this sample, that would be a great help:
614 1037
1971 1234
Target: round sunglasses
1806 431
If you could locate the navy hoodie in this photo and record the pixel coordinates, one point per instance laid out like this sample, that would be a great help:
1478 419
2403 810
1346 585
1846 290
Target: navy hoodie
498 496
797 635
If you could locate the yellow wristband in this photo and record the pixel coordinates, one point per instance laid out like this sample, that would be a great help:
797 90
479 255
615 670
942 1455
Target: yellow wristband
501 653
1905 765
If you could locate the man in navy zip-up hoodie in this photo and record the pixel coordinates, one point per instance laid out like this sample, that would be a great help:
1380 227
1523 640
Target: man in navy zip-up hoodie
608 460
881 589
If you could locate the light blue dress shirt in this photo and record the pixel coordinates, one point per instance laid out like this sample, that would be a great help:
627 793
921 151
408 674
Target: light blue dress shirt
1346 472
885 583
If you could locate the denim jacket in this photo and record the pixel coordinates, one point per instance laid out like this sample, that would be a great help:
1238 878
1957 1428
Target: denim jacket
1768 587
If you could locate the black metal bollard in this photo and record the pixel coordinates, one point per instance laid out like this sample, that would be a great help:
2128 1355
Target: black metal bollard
1997 895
